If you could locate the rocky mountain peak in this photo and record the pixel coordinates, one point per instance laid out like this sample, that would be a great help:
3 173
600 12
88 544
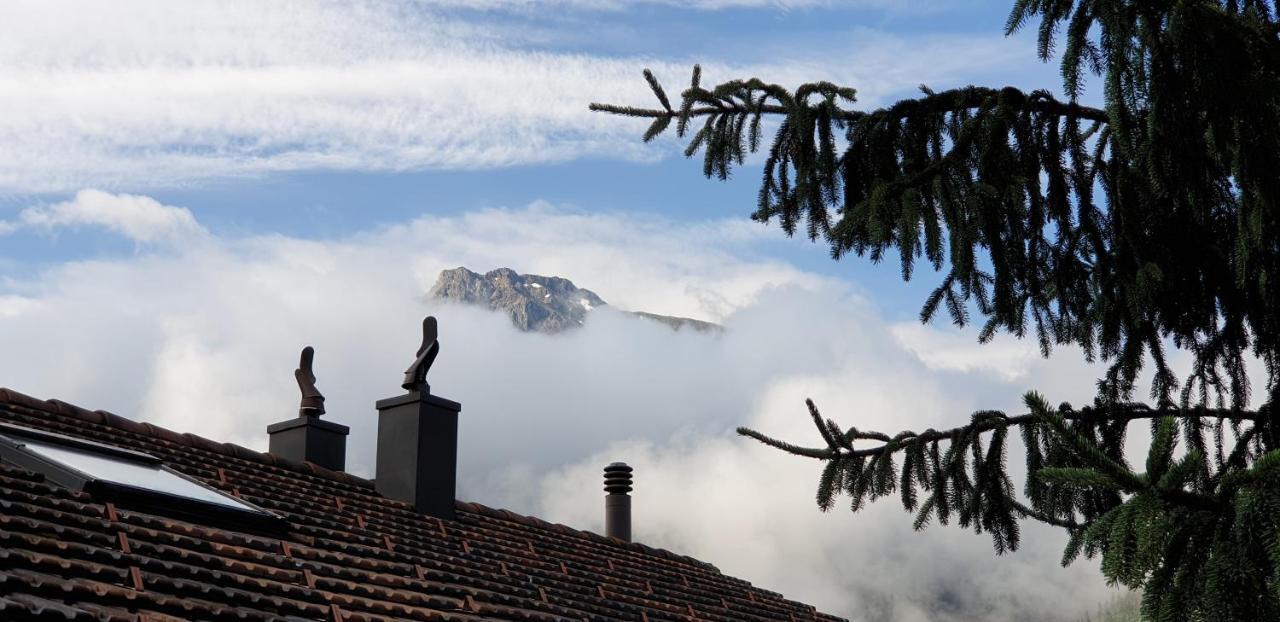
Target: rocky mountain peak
535 303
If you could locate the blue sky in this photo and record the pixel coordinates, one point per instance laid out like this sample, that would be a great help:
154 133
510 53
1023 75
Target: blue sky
192 191
248 187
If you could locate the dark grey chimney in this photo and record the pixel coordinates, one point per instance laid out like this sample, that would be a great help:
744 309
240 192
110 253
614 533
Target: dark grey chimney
309 438
418 439
617 504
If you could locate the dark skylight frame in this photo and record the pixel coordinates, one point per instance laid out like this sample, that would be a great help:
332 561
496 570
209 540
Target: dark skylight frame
133 479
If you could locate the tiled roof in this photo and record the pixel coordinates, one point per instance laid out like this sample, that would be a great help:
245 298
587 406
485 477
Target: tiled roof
350 555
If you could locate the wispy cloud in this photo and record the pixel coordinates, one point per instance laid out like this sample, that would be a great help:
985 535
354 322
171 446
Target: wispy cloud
617 5
139 218
137 94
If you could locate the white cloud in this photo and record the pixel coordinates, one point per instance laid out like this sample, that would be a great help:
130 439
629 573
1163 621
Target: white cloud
696 5
12 306
954 350
204 338
139 218
141 94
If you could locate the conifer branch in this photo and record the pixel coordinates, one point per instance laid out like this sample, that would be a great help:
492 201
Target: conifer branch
951 101
1134 412
1019 198
1077 473
1028 512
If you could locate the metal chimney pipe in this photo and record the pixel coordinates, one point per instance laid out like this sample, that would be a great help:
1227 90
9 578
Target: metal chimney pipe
617 504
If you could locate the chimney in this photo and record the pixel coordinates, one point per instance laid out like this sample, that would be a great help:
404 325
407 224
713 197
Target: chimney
617 504
418 439
308 438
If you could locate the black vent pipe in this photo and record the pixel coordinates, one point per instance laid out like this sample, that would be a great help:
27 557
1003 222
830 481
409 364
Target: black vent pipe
617 504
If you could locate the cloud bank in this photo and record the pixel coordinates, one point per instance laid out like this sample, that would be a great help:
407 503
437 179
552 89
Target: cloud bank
203 337
140 94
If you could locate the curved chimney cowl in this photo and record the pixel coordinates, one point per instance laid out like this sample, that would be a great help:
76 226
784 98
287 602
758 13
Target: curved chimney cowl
617 504
308 437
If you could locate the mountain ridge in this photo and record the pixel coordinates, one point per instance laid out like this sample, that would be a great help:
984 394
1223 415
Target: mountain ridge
537 303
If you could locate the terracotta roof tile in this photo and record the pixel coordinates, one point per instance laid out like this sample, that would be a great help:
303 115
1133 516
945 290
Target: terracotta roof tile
349 555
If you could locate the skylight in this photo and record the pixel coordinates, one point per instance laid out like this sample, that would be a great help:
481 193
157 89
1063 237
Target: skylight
136 474
131 477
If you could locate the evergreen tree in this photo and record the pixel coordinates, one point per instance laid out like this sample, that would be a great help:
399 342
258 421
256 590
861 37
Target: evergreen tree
1125 229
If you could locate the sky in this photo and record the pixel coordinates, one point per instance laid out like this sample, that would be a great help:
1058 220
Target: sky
192 191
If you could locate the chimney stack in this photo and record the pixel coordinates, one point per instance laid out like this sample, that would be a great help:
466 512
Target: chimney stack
418 439
617 504
308 438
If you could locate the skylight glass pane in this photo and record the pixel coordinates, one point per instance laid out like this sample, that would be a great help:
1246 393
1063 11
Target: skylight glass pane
131 473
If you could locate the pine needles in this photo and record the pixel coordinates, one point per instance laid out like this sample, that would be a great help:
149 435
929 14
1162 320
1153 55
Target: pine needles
1199 534
1118 229
1150 221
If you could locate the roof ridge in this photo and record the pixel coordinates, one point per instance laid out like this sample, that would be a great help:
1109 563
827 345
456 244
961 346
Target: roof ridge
525 519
